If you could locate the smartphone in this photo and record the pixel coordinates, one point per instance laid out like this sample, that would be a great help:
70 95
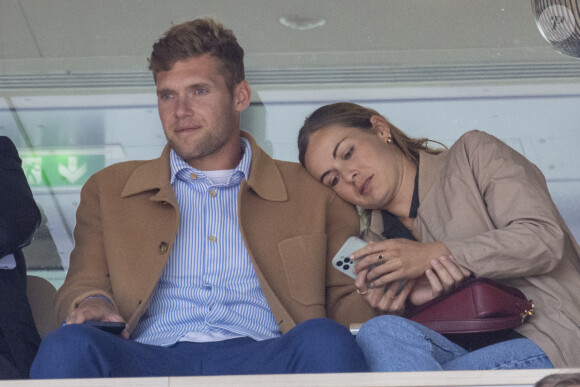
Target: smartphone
345 265
107 326
341 260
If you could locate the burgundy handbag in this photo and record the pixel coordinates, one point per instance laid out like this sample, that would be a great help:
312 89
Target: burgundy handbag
477 305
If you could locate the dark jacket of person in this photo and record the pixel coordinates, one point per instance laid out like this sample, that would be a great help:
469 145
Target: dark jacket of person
19 219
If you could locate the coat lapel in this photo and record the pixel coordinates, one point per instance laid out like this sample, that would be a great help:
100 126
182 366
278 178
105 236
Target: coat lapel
267 183
265 178
153 175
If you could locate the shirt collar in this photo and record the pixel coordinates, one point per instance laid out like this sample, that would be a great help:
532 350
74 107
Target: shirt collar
180 167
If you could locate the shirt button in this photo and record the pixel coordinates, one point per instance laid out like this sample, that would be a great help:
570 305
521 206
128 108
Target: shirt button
212 238
193 176
163 247
212 193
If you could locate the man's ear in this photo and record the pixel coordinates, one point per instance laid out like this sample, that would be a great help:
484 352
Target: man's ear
381 127
242 96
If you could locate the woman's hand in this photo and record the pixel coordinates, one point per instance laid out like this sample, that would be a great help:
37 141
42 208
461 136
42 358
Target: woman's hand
387 299
443 276
396 259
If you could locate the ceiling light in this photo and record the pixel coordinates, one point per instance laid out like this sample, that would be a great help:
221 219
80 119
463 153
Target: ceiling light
302 22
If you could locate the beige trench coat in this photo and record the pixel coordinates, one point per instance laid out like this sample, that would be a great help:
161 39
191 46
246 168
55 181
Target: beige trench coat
491 207
292 225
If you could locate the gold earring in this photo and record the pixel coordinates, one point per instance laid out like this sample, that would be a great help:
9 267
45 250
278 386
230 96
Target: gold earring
389 140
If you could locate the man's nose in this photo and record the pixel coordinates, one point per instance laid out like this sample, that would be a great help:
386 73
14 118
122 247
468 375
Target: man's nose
183 108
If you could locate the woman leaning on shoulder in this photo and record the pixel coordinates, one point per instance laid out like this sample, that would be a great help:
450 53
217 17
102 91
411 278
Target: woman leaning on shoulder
437 215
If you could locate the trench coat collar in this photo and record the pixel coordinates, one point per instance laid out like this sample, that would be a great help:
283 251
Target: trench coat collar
265 178
429 164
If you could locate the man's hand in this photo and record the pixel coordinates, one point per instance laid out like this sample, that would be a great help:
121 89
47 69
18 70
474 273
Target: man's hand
95 309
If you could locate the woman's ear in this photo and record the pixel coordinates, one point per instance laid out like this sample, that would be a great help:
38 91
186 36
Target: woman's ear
381 127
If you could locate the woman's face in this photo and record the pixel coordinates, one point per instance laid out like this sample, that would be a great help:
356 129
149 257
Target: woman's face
359 165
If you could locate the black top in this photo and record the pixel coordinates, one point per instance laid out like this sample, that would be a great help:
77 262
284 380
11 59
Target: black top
393 227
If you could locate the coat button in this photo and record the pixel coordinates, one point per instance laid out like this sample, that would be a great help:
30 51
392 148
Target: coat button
163 247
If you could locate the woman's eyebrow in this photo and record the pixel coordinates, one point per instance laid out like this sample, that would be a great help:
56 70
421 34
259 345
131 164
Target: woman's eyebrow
336 148
334 151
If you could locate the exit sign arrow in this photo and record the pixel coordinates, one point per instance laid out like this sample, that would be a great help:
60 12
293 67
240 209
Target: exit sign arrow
72 172
57 168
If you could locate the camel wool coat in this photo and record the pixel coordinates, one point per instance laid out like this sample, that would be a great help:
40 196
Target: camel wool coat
491 207
292 226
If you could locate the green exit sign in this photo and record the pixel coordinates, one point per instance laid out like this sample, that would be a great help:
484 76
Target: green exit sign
60 170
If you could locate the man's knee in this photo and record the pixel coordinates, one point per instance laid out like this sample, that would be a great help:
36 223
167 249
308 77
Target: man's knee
329 346
67 348
322 332
68 337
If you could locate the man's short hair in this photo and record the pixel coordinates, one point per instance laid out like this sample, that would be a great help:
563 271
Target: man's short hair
194 39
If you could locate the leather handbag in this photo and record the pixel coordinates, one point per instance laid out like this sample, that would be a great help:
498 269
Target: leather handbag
477 305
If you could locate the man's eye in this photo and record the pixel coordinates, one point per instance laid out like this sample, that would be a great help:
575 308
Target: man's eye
200 91
165 97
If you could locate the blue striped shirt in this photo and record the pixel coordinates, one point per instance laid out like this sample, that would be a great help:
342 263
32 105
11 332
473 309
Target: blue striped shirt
209 287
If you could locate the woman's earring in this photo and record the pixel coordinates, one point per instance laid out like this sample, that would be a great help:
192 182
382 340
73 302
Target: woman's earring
389 140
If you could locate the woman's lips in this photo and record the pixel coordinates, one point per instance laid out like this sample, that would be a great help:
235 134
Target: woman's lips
365 186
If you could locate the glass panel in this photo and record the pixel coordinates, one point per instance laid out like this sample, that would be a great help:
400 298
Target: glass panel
435 69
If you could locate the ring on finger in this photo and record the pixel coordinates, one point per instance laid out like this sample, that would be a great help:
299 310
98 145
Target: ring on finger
361 293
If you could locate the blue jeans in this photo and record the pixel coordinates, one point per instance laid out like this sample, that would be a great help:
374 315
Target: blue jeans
314 346
392 343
